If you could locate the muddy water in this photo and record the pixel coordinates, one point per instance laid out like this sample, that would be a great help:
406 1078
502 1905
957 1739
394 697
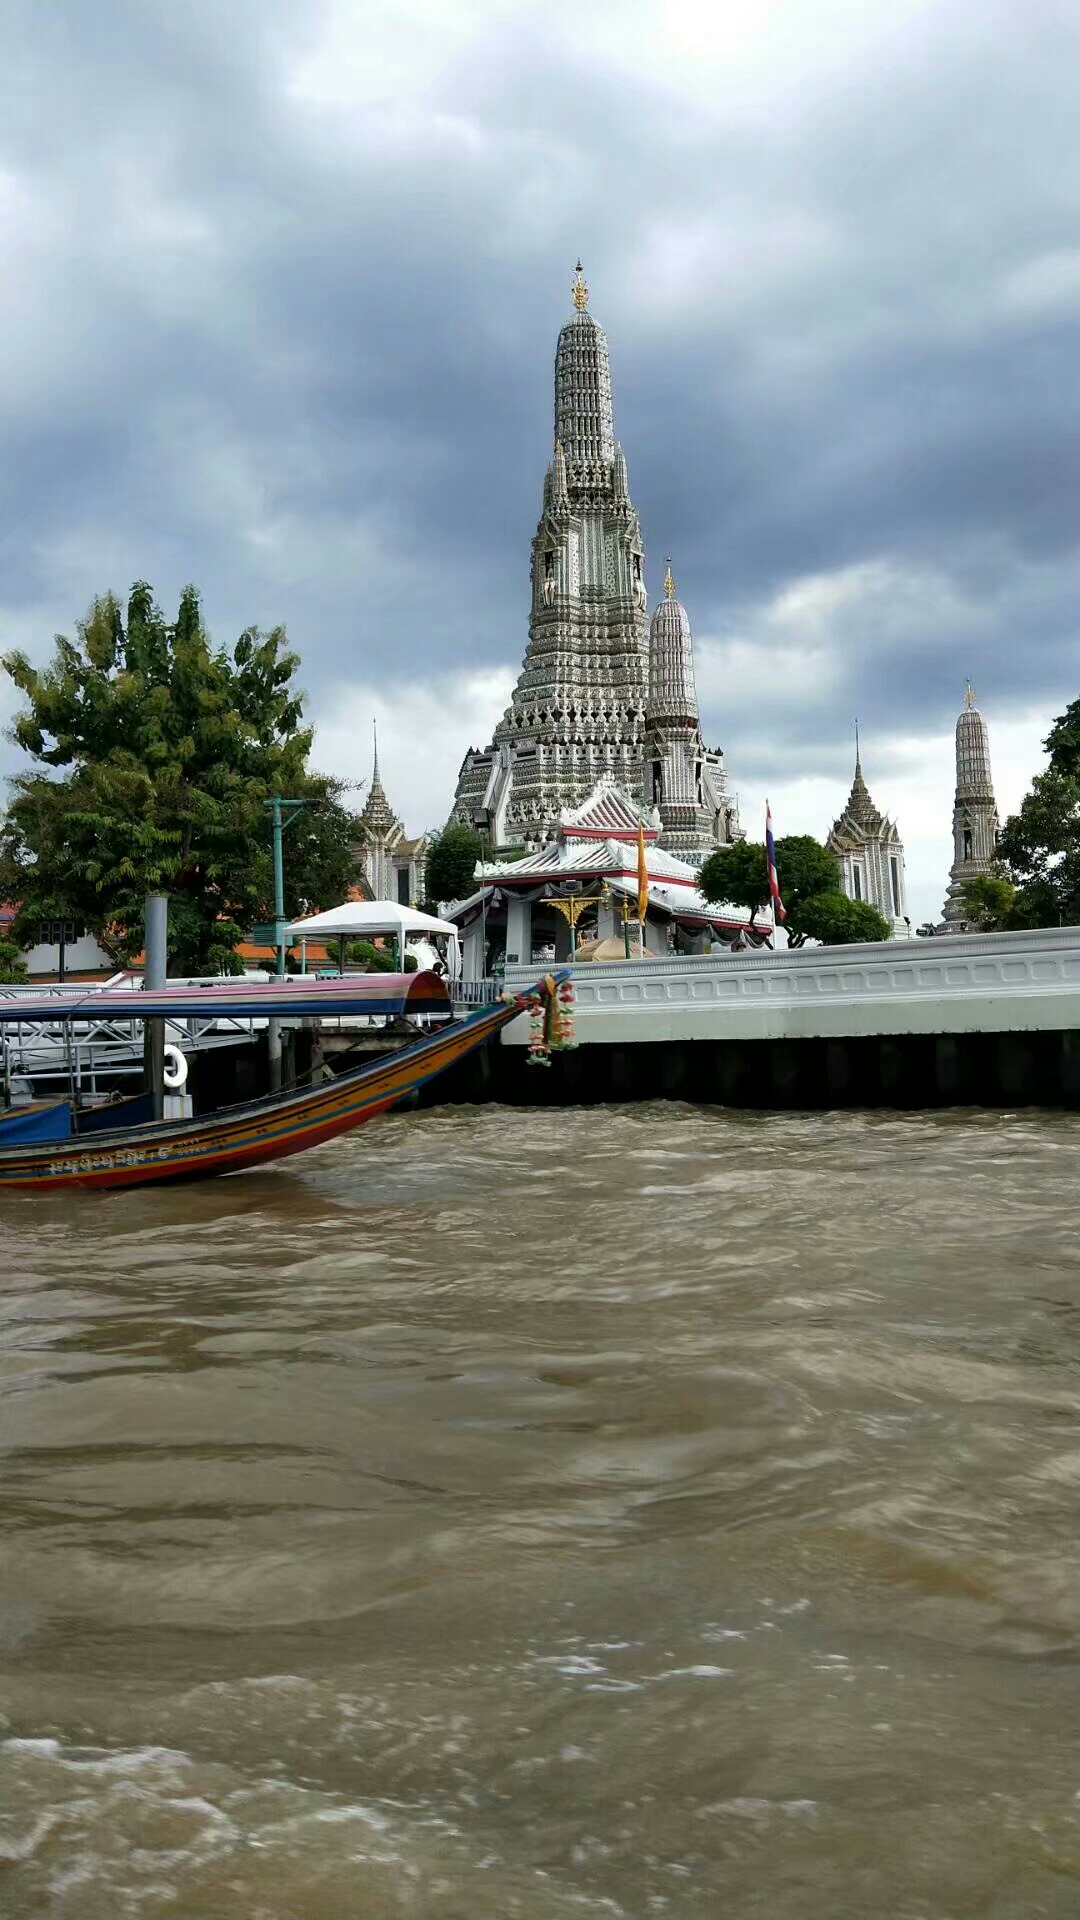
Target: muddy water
628 1512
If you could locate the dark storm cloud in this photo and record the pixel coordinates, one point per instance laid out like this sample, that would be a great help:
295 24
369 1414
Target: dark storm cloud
302 353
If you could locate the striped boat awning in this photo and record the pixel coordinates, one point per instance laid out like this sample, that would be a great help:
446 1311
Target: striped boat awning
293 998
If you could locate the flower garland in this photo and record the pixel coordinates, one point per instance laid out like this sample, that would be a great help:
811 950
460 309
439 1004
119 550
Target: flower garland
551 1021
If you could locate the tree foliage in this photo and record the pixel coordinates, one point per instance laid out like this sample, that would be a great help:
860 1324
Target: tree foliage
739 876
155 753
12 970
450 873
988 901
736 876
839 922
805 870
1039 847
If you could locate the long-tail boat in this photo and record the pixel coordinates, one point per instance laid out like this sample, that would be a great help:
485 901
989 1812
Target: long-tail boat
270 1128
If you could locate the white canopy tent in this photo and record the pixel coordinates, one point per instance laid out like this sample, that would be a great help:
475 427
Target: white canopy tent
363 919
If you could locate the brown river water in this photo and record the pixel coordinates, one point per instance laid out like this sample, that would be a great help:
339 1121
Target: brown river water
643 1511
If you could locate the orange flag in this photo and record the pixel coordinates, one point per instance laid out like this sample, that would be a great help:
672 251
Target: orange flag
642 875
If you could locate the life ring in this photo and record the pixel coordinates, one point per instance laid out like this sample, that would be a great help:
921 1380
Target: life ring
175 1069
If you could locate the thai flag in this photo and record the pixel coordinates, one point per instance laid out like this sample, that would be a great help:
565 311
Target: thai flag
770 855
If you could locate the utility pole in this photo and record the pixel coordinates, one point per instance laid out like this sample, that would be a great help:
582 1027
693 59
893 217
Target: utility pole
282 814
155 962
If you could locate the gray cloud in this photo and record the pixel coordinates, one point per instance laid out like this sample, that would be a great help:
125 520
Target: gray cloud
298 348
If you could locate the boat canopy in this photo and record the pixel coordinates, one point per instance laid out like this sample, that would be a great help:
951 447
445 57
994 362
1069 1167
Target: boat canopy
293 997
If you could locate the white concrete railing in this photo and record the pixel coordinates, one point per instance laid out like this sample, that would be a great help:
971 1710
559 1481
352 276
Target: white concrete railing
957 983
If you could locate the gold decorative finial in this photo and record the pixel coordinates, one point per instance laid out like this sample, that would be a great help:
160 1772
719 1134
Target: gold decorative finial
579 290
669 582
969 696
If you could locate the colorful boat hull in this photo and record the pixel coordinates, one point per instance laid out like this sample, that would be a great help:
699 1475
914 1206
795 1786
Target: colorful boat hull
249 1136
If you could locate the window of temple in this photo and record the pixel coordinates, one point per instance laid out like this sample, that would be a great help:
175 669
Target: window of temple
403 886
967 843
856 882
894 869
657 782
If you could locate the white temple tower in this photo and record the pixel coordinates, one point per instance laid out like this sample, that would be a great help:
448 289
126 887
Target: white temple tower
975 815
577 711
683 779
870 853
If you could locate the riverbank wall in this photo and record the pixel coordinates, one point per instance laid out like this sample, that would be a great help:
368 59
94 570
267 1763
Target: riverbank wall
988 1020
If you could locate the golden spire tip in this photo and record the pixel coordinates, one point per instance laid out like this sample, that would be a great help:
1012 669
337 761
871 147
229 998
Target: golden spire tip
669 581
579 290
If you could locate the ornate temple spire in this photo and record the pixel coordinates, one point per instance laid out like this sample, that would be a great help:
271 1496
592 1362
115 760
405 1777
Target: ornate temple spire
867 847
860 808
578 710
975 815
377 818
672 693
584 417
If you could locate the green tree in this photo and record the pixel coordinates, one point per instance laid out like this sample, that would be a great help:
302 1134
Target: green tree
154 754
736 876
450 873
805 870
364 953
839 922
1039 847
739 876
988 901
12 970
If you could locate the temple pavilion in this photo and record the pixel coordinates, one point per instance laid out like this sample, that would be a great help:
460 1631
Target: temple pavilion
586 872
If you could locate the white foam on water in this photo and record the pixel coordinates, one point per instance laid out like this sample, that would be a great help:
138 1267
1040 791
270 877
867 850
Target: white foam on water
696 1673
14 1848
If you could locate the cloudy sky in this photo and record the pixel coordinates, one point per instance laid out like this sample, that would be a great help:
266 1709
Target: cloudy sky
279 302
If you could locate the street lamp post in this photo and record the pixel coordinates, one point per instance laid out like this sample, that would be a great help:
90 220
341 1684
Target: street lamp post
282 814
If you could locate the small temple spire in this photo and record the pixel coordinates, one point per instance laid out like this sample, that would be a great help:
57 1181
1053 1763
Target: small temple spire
975 816
669 578
858 763
375 737
579 290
